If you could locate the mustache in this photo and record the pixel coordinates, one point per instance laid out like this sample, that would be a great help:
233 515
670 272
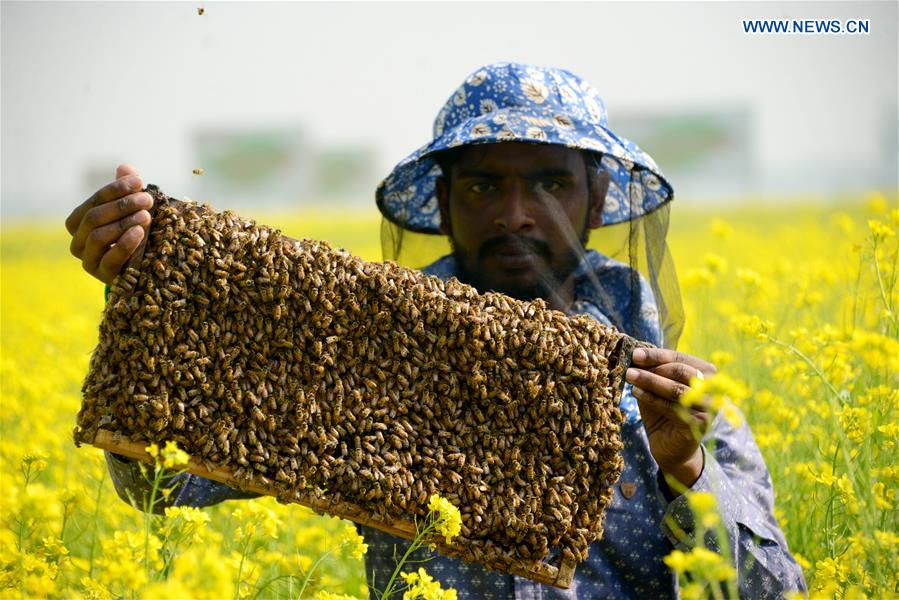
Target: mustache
516 241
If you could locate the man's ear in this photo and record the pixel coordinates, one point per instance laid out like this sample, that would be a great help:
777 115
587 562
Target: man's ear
598 182
442 191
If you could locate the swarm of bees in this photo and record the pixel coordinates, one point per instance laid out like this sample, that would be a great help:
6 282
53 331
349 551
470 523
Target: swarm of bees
309 370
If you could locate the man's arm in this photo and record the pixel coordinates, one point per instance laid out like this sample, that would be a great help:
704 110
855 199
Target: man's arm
186 489
735 473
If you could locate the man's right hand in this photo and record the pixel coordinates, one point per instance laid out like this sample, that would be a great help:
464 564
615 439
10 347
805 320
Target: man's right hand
108 227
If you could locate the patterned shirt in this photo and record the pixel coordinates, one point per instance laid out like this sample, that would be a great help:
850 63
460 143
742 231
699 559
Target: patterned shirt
642 523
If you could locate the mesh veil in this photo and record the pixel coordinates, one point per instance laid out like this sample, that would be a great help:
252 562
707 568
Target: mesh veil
640 242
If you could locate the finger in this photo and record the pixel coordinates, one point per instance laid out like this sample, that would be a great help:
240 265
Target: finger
107 213
116 257
652 357
124 170
112 191
649 403
660 386
677 372
99 239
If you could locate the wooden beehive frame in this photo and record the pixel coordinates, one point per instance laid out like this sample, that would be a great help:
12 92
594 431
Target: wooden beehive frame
555 572
541 572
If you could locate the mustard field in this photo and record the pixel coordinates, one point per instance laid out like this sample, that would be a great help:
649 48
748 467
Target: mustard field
796 302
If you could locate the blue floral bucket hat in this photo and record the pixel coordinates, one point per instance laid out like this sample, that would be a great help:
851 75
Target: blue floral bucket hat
513 102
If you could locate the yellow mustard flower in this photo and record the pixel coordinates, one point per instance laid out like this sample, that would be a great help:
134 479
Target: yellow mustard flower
185 522
702 561
889 540
752 325
829 570
721 358
421 585
715 263
705 507
174 457
883 498
256 515
93 589
880 230
153 450
855 422
721 392
890 432
698 278
847 494
802 561
353 543
449 519
324 595
750 277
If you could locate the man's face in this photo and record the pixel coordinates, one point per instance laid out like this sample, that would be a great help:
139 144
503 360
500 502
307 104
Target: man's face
518 215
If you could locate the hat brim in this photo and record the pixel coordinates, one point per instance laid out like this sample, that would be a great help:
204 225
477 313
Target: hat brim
407 197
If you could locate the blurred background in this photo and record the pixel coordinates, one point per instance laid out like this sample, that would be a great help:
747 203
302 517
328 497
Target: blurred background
303 105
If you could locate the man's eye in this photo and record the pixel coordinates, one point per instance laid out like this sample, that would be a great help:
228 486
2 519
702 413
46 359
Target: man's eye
482 188
550 185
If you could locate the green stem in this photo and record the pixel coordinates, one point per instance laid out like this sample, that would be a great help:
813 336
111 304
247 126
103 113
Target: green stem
65 519
848 463
415 545
311 570
858 278
21 559
793 349
268 583
90 571
243 558
894 273
883 294
148 518
829 516
171 551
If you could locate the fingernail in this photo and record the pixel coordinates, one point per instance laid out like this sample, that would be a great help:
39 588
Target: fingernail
637 392
631 375
639 354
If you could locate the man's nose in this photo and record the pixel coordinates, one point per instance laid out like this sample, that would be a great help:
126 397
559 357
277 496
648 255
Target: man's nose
515 211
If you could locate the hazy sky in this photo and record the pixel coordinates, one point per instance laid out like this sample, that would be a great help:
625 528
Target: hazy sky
87 84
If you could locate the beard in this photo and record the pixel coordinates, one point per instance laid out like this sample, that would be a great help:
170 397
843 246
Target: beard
544 285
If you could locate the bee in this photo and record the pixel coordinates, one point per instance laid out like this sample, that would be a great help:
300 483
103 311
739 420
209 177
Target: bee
199 170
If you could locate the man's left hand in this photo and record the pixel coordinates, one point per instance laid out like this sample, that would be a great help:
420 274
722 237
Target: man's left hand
659 378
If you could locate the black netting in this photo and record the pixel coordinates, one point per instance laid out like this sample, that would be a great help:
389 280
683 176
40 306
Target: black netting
640 242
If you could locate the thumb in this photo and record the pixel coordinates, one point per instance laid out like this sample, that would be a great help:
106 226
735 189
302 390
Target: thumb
124 170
